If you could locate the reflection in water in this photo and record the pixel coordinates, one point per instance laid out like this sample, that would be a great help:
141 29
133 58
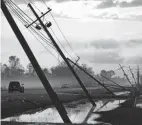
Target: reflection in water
109 105
122 93
139 105
103 106
77 113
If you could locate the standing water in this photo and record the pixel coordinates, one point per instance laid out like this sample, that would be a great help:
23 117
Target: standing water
77 112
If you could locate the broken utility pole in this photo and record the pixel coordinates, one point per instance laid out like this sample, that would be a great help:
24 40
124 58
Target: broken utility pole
92 77
63 56
35 64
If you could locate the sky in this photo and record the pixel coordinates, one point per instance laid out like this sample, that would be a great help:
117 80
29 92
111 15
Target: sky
103 33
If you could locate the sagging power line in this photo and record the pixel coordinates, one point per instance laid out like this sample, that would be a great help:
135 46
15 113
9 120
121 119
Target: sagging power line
63 56
38 35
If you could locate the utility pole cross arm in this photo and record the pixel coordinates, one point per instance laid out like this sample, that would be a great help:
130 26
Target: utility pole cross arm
39 17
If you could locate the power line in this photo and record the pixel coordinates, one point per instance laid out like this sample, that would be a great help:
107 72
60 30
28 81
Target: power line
51 28
19 16
44 45
27 21
35 6
59 28
19 9
63 34
15 13
42 38
44 3
60 42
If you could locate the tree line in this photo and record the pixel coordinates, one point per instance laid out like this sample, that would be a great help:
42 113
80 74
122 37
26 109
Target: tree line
15 68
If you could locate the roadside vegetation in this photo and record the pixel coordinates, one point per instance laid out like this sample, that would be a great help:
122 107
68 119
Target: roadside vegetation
13 69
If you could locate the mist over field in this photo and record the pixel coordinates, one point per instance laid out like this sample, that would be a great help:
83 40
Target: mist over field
58 75
56 82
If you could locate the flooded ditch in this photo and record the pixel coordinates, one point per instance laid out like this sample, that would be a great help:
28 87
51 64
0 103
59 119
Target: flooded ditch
106 112
77 112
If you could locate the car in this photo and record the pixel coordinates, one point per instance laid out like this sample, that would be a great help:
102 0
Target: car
64 86
15 86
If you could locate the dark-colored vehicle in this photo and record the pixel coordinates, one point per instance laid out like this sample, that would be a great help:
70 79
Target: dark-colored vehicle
15 86
64 86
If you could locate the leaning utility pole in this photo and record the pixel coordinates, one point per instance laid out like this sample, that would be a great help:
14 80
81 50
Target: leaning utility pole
126 75
92 77
132 75
138 76
62 55
114 82
35 64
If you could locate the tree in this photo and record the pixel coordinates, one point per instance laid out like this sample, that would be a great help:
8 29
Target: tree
88 69
110 73
14 62
107 74
103 73
45 70
16 69
63 70
5 70
30 68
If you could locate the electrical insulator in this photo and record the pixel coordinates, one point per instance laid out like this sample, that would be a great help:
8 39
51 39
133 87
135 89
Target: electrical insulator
48 24
38 27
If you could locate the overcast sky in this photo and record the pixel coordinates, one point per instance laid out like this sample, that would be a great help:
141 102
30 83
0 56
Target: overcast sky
103 33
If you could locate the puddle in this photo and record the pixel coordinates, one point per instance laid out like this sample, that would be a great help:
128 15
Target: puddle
139 105
107 105
122 93
76 112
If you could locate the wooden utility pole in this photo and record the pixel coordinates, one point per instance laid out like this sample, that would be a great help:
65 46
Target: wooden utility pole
126 75
92 77
35 64
132 75
138 76
62 55
76 61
